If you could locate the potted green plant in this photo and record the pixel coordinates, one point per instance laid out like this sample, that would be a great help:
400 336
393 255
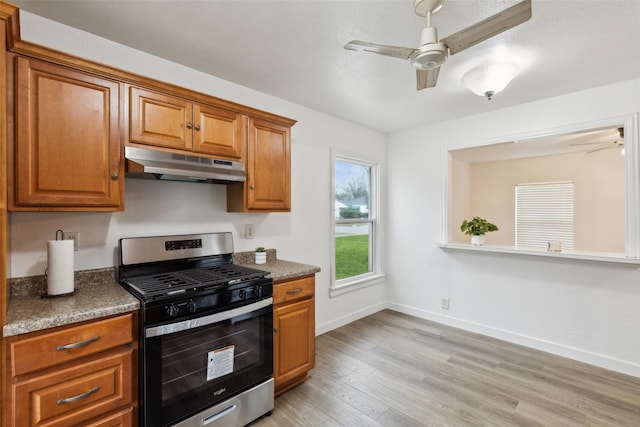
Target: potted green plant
261 255
477 228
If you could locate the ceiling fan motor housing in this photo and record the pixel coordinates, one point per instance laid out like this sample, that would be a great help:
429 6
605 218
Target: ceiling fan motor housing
429 56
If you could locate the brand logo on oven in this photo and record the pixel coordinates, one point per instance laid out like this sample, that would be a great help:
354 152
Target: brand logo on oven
219 392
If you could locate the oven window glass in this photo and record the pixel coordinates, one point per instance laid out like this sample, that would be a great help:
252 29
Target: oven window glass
192 359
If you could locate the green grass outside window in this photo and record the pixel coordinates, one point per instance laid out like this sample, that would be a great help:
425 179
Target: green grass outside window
352 256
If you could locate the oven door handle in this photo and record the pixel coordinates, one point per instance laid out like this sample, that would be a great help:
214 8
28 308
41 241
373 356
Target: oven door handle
185 325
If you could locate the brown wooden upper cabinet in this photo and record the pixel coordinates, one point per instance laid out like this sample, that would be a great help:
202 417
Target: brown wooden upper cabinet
268 168
166 121
67 147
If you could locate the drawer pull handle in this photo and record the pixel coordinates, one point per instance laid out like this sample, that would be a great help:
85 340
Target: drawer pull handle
294 291
79 397
78 344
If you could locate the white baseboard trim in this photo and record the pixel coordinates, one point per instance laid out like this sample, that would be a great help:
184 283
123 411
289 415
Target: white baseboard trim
596 359
351 317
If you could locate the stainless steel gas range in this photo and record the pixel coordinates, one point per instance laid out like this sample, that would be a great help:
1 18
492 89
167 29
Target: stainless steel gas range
206 341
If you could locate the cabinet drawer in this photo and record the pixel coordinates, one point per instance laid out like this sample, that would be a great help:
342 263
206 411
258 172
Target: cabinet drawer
47 350
74 395
293 290
122 418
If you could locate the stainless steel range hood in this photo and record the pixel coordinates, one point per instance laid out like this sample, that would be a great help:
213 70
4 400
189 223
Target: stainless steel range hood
152 164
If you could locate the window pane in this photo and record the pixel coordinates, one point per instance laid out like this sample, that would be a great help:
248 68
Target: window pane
352 189
353 250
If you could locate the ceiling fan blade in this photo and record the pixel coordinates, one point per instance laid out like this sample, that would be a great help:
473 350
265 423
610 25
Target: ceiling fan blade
610 147
427 78
492 26
577 144
381 49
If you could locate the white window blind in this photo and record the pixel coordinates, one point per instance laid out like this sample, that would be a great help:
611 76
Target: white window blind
544 213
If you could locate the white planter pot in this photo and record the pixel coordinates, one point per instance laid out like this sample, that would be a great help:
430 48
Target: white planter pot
261 257
477 240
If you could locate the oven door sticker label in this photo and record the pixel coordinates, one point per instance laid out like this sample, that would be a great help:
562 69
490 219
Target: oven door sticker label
220 362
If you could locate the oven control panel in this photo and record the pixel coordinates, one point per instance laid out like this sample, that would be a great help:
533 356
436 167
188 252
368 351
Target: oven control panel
184 306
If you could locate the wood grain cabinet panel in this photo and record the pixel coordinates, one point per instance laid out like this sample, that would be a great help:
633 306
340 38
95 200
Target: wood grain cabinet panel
68 142
44 351
294 332
70 396
221 133
268 168
73 375
167 121
122 418
160 120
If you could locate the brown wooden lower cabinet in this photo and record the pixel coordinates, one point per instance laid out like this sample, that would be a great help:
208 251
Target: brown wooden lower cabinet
293 332
122 418
85 376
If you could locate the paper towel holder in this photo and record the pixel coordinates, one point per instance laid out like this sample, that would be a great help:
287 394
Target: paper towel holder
46 295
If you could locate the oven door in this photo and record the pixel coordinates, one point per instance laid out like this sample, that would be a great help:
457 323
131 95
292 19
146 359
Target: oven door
191 365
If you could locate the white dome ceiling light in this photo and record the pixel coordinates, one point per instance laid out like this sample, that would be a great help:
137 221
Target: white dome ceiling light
487 80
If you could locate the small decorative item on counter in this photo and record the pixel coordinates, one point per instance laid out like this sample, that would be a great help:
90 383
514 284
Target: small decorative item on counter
261 255
477 228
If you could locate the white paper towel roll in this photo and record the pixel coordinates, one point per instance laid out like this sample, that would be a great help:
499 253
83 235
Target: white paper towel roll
59 267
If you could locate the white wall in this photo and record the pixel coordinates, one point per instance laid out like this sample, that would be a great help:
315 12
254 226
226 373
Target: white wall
154 208
588 311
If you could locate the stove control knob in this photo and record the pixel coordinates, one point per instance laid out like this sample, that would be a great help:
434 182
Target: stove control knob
242 294
172 310
192 306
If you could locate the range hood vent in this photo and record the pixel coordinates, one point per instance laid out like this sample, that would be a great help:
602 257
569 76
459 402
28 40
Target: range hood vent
152 164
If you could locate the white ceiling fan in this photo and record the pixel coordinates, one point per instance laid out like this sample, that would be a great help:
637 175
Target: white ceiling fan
608 138
432 52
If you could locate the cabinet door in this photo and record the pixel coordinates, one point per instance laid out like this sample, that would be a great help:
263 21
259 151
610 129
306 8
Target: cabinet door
160 120
219 132
122 418
74 395
268 185
294 341
68 138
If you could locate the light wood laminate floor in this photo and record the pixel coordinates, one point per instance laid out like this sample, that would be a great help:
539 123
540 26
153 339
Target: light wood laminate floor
391 369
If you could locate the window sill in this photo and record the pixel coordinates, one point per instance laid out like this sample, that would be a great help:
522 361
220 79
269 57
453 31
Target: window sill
610 257
355 285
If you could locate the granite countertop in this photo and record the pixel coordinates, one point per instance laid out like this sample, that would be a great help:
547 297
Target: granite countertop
280 270
98 294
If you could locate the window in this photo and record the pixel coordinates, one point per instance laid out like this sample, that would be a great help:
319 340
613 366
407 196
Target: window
354 219
544 213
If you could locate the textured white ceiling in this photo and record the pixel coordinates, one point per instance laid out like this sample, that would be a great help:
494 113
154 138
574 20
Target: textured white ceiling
293 49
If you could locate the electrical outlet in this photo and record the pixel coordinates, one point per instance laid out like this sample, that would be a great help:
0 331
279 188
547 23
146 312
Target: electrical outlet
444 303
248 231
71 235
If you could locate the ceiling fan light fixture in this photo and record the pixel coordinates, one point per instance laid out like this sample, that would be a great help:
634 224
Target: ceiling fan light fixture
487 80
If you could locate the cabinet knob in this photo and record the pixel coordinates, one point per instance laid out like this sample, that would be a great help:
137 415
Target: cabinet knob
115 176
252 186
197 127
275 330
189 125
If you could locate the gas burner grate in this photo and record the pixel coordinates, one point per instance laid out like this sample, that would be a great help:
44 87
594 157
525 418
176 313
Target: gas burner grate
191 279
